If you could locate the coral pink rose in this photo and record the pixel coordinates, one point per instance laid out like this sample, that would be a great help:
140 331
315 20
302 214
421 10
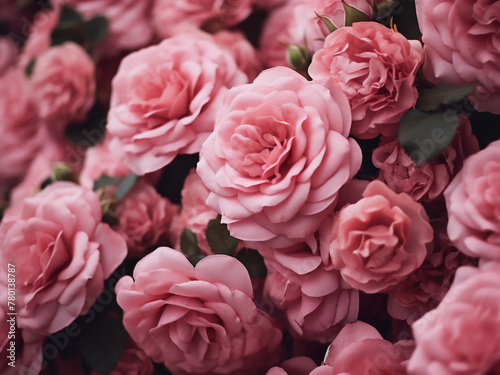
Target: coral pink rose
170 16
165 97
473 205
315 299
129 21
20 127
278 156
461 44
428 181
197 320
64 84
378 241
360 349
195 214
462 335
144 219
297 23
376 68
62 253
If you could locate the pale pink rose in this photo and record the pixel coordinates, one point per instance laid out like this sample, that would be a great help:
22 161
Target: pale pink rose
20 128
8 54
195 214
242 50
197 320
376 67
473 206
462 335
62 253
427 182
129 21
278 156
293 366
360 349
316 301
144 219
297 23
99 161
461 43
64 85
165 97
172 16
378 241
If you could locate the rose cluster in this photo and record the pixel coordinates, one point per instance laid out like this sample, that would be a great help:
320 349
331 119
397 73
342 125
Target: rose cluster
250 187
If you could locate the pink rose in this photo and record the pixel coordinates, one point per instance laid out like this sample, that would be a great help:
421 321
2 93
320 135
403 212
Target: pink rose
171 16
376 68
129 21
428 181
144 219
62 253
378 241
315 299
195 214
360 349
64 84
165 97
462 335
99 161
461 42
197 320
473 207
20 127
278 156
297 23
8 54
293 366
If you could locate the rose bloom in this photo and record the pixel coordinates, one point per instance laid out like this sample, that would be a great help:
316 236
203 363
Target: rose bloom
360 349
376 67
64 84
21 129
171 16
461 45
427 182
297 23
473 205
62 253
129 21
378 241
462 335
315 299
165 97
197 320
144 219
195 214
278 156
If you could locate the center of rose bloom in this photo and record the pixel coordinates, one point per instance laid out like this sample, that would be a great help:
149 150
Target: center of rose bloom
261 149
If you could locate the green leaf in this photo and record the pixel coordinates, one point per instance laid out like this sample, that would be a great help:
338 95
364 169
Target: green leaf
30 67
328 23
102 343
69 16
125 185
253 262
189 243
354 15
219 239
106 181
431 99
424 135
97 29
